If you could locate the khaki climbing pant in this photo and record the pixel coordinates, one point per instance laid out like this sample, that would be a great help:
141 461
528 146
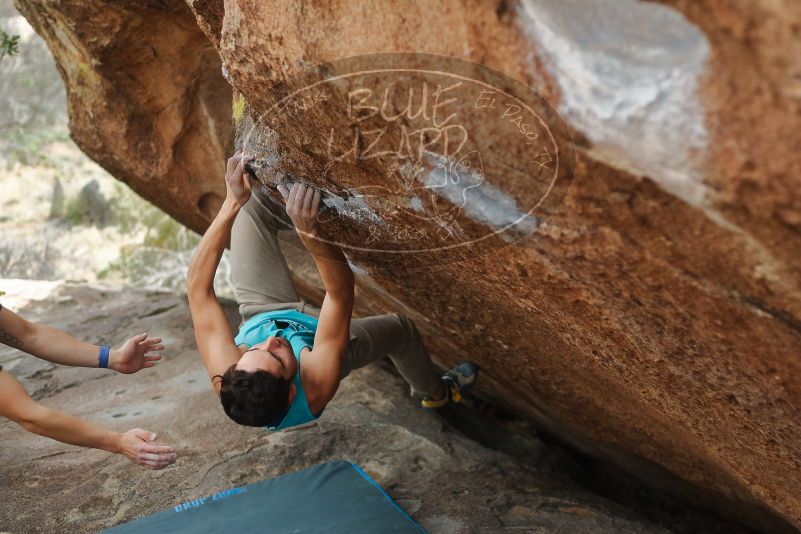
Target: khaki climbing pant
262 283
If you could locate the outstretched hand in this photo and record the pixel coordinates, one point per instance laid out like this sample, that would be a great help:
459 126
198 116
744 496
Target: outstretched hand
135 354
302 206
237 181
138 446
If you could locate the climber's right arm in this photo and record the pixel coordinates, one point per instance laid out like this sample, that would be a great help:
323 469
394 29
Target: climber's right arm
324 362
213 333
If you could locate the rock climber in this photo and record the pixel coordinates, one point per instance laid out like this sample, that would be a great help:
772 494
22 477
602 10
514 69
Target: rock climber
47 343
286 362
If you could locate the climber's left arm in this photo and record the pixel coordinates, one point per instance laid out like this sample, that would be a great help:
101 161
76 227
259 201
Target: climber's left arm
213 333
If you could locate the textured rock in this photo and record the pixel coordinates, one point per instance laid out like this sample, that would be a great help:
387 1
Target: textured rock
654 318
447 482
146 98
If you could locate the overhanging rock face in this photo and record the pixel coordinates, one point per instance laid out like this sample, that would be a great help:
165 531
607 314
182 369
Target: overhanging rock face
654 318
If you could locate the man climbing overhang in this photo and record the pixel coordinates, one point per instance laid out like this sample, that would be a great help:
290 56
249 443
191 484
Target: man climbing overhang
288 358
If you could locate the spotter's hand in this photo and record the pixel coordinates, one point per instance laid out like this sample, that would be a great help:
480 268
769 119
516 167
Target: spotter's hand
137 353
138 446
237 181
302 206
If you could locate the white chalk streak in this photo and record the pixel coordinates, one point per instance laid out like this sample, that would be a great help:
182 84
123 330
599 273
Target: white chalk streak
629 73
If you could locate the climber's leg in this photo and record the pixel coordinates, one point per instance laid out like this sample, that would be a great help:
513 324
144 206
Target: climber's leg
261 278
395 336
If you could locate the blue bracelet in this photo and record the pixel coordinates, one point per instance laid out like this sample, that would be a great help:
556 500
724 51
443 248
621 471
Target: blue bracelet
102 358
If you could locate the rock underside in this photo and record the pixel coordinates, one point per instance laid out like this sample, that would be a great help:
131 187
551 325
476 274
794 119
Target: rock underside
653 319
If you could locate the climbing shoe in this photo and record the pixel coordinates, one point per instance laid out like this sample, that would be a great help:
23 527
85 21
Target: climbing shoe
457 382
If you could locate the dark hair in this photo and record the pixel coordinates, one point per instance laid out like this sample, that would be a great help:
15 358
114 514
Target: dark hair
254 399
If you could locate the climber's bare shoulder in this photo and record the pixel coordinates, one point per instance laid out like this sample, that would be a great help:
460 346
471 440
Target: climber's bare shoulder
213 334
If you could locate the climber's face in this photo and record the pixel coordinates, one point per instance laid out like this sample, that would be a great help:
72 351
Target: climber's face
274 355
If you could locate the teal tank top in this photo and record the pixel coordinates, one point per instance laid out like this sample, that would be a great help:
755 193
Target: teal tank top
297 328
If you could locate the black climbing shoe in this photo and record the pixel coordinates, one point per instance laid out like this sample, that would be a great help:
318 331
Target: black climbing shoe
457 381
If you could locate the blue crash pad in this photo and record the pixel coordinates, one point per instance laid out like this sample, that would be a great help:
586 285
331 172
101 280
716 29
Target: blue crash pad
335 498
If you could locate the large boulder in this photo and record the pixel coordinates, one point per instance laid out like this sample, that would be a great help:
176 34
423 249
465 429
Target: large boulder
653 319
146 98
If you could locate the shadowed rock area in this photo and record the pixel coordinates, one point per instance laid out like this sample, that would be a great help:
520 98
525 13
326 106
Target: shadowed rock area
447 482
653 319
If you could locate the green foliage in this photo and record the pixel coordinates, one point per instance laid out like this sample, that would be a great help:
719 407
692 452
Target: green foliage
27 146
238 109
132 213
161 257
76 210
137 263
88 206
9 44
33 106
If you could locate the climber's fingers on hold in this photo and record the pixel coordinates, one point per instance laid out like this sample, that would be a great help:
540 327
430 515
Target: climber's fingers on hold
315 207
283 190
233 161
308 200
293 196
